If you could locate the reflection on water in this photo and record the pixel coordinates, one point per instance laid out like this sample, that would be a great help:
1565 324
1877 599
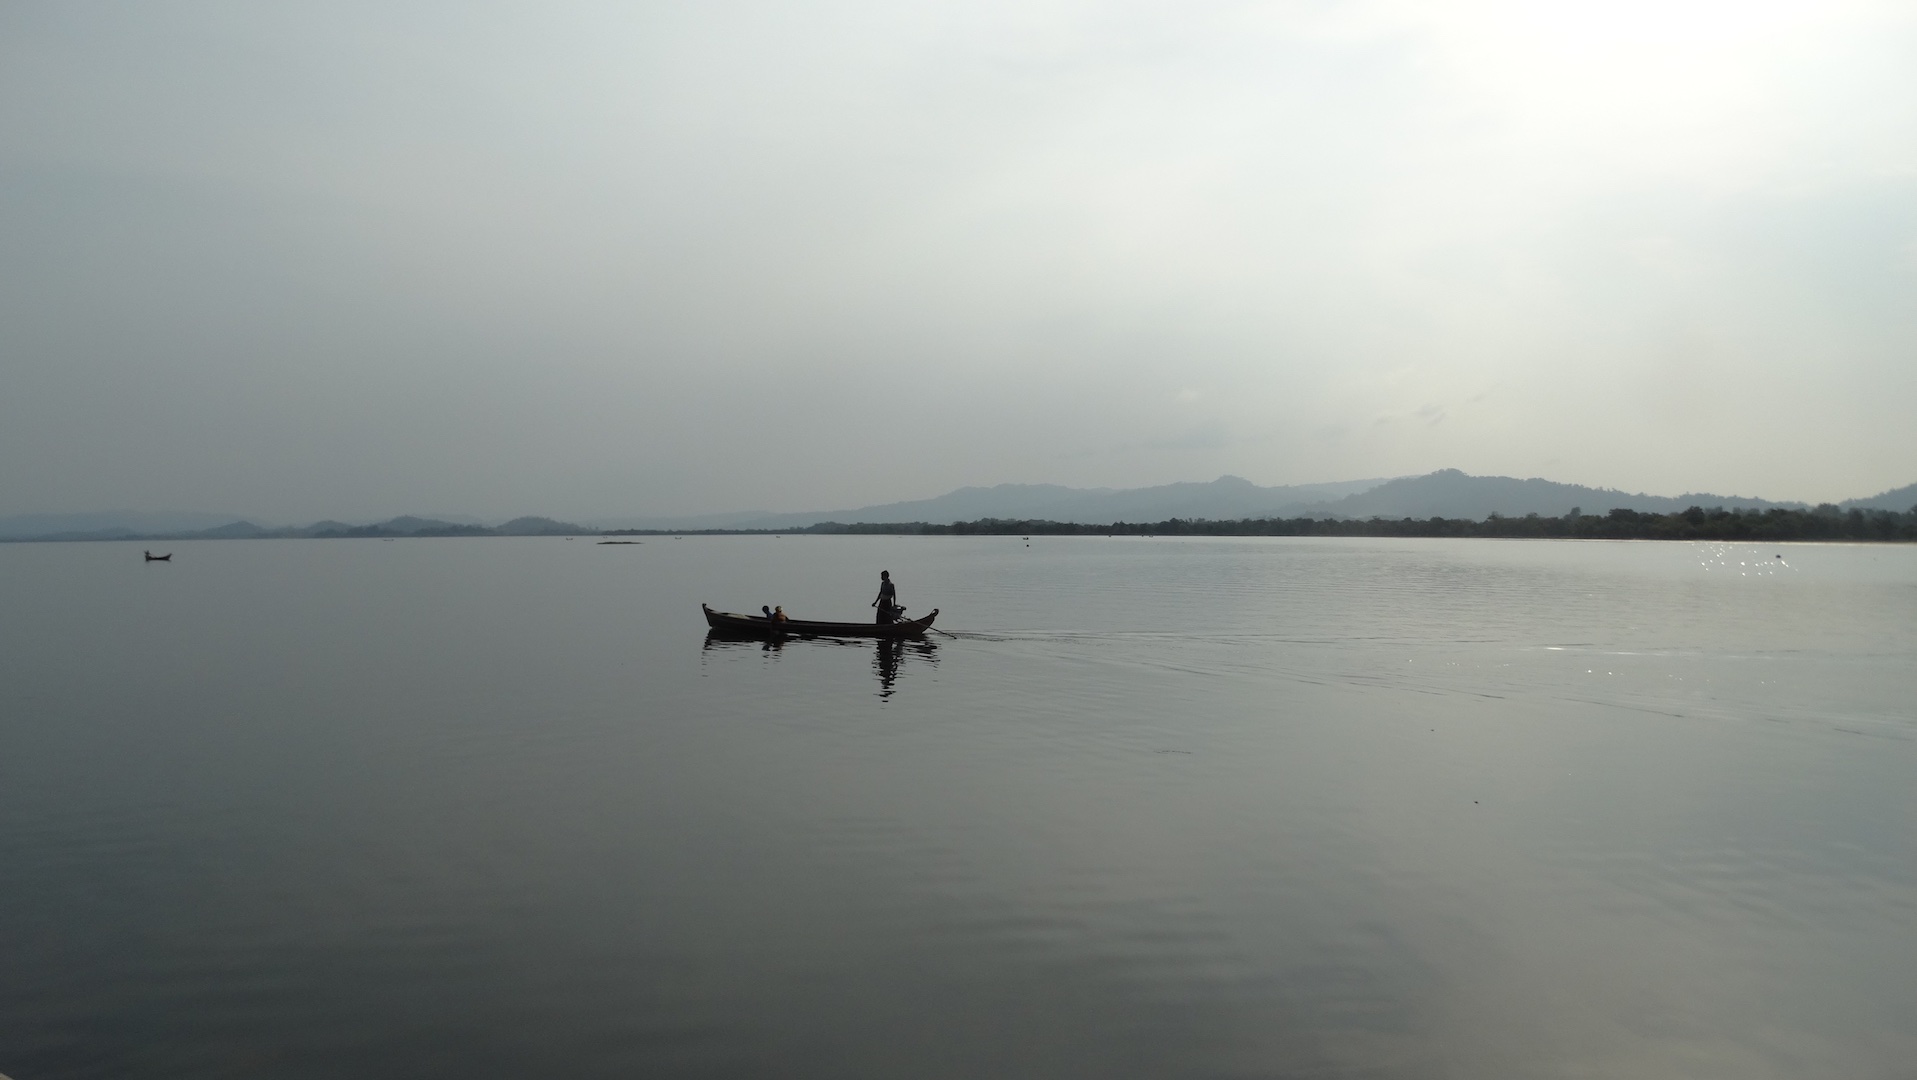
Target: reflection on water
887 654
771 645
891 657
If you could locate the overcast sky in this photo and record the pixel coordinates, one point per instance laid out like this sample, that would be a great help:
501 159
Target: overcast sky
354 260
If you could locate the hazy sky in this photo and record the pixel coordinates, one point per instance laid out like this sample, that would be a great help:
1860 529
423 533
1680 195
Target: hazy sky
353 260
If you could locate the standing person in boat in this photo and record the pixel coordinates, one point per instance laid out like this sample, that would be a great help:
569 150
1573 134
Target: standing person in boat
888 600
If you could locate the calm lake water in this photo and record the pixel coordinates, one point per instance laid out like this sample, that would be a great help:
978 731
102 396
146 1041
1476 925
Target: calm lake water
1216 808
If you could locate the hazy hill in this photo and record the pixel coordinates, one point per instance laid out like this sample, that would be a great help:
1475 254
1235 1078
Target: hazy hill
406 525
537 526
118 522
410 525
238 530
1225 497
1228 497
1453 494
1898 499
1446 493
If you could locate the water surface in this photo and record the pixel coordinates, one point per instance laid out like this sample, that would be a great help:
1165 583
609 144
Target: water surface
1274 807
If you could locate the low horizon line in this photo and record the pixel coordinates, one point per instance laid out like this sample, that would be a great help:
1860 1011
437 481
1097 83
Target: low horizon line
589 522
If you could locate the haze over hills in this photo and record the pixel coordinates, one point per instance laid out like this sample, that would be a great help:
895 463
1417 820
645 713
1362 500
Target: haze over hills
1225 497
1450 493
29 528
106 523
1898 499
1447 493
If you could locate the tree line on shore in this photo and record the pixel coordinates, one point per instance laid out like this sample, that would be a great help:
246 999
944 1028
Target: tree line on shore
1826 522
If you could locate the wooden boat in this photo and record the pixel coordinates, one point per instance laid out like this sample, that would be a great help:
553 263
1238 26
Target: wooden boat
759 626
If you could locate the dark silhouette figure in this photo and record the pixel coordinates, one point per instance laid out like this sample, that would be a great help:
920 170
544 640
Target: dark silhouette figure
888 599
150 557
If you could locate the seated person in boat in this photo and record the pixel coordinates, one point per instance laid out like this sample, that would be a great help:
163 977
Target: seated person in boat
778 613
888 599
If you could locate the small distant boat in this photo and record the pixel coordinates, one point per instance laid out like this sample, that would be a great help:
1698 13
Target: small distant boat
150 557
760 626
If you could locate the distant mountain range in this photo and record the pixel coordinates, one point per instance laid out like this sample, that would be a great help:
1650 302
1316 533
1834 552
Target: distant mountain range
111 523
1898 499
1453 494
127 527
1446 493
1226 497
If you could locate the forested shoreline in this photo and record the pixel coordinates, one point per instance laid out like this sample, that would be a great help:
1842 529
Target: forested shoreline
1823 523
1827 522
